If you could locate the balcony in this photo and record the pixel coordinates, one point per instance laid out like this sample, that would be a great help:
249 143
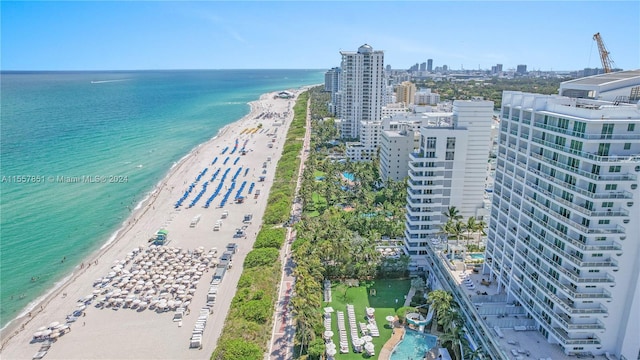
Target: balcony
577 171
603 294
564 185
587 136
563 319
583 154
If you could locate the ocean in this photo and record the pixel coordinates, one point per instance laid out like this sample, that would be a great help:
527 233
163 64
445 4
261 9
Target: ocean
63 132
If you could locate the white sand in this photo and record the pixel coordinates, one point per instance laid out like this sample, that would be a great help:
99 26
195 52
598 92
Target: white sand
130 334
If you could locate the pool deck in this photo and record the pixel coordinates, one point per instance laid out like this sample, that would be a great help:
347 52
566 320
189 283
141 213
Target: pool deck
396 337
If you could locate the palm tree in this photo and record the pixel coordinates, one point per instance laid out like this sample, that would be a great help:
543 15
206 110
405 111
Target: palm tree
480 226
456 337
452 214
457 230
471 226
441 302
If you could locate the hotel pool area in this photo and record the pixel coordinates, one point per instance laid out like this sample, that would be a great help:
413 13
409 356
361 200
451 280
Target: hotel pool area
414 346
477 256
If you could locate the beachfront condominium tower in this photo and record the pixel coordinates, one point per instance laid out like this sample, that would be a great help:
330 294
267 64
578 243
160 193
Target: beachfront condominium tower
332 85
564 230
449 169
361 89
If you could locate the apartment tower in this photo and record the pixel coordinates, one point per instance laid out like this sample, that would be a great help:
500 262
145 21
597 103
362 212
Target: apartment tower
449 169
361 89
564 230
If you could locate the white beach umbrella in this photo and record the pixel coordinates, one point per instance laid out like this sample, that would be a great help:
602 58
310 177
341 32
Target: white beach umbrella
54 324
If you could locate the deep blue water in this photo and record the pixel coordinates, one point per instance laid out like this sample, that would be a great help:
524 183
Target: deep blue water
72 124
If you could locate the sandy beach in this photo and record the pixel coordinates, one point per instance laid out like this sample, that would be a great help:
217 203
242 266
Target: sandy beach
130 331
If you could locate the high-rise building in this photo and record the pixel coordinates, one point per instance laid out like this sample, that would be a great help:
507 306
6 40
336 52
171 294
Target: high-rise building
423 66
406 92
564 230
429 65
449 169
521 69
332 84
361 88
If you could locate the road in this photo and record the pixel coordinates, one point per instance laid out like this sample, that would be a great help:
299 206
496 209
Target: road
283 332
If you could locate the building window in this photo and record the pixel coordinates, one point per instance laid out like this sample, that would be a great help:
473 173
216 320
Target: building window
607 129
627 146
449 155
451 143
631 127
611 187
614 169
607 204
603 222
431 143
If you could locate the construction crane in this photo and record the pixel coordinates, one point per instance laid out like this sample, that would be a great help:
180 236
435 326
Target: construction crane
607 63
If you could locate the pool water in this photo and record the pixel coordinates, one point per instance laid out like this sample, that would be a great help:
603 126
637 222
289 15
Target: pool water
349 176
477 256
414 346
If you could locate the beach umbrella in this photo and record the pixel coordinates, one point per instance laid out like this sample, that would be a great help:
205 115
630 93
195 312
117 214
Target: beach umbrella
47 332
369 346
328 334
54 335
367 338
332 351
37 334
42 328
54 324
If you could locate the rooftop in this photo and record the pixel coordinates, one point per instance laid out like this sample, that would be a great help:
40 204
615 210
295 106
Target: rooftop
605 79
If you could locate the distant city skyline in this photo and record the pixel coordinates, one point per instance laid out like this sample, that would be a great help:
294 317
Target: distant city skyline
141 35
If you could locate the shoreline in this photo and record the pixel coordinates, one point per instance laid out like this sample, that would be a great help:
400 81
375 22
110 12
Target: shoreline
113 238
129 234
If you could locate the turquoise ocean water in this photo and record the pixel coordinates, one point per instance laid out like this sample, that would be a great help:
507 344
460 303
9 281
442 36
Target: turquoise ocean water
72 124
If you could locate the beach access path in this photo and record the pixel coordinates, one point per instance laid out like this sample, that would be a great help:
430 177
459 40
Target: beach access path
283 333
146 334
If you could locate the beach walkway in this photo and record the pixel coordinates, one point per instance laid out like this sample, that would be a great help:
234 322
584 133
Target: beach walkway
282 336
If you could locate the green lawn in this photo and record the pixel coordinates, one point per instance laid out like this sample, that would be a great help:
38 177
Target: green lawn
387 291
317 201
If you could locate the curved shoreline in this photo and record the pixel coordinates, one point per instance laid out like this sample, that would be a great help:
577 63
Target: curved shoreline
177 170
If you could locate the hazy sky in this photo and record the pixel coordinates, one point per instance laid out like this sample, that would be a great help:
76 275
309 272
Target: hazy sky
132 35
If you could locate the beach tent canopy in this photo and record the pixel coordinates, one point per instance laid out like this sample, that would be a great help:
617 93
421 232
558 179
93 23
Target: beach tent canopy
162 232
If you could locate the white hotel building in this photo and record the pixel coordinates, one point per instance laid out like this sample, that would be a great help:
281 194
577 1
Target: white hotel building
564 231
450 169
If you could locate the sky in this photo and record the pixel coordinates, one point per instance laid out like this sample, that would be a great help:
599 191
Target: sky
149 35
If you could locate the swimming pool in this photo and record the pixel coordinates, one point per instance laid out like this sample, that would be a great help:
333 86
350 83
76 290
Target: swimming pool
477 256
349 176
413 346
